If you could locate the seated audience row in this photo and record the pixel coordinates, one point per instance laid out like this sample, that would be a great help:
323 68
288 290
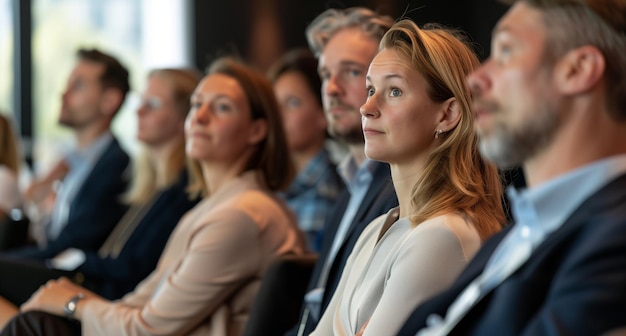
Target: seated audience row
428 109
208 274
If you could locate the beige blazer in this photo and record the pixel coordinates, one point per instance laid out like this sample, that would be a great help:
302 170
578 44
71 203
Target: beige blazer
386 277
209 273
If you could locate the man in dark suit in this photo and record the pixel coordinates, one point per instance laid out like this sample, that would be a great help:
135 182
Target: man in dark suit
87 205
345 42
551 98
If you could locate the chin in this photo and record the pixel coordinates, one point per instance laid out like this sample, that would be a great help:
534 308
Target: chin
375 155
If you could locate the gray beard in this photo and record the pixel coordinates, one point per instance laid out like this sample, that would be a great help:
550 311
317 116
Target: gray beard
508 148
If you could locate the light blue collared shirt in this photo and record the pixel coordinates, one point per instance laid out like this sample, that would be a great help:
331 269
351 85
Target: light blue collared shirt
357 180
80 165
537 212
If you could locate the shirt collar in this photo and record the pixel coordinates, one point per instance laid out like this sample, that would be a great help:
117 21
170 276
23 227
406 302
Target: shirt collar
545 208
91 153
350 172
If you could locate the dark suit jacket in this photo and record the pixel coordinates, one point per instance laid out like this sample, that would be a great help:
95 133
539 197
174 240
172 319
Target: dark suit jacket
380 197
574 283
114 277
94 211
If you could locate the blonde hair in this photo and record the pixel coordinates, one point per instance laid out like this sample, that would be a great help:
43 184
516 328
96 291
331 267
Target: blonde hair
144 183
455 177
271 159
327 24
9 149
571 24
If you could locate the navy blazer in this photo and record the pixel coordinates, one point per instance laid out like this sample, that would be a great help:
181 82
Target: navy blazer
574 283
380 197
95 210
114 277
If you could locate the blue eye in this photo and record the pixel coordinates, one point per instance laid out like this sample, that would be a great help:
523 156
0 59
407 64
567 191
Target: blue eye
354 72
293 102
370 91
394 92
196 105
222 108
152 103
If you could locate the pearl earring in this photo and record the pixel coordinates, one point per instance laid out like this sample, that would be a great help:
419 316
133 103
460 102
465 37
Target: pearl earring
437 133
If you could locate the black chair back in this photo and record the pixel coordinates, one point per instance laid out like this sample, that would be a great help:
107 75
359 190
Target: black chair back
13 229
276 308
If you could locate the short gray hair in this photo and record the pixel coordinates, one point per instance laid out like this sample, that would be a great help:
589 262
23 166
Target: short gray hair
332 20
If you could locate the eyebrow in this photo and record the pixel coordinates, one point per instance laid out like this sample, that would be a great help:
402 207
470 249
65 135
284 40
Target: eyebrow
387 77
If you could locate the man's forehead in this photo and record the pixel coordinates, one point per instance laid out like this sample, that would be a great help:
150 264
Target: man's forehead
520 20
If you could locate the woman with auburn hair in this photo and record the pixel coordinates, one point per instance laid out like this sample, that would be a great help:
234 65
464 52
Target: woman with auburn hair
417 118
10 196
209 273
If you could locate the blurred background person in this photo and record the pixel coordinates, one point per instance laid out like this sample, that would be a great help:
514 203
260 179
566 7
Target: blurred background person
91 177
157 197
314 191
10 159
210 271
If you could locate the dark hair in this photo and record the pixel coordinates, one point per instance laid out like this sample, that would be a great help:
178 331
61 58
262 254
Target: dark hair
302 61
115 75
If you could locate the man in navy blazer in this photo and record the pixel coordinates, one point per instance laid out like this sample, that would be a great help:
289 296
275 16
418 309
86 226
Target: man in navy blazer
88 204
551 98
345 42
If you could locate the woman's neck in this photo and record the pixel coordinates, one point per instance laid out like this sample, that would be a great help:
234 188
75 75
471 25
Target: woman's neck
161 157
217 174
404 177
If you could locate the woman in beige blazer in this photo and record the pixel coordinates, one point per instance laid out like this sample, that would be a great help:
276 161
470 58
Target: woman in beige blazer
417 118
210 270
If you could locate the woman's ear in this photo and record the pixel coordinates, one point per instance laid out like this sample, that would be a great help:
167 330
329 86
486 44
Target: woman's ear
258 131
450 115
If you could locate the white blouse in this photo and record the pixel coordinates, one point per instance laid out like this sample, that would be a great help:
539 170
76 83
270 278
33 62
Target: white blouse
386 277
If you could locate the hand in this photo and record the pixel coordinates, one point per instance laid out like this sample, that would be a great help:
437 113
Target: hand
52 296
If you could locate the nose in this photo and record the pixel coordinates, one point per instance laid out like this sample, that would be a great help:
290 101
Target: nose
478 81
141 111
370 108
332 87
200 114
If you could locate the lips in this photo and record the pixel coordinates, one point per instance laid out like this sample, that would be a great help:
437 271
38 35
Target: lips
371 131
198 134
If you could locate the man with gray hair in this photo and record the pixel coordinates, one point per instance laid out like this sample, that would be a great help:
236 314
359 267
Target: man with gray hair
345 42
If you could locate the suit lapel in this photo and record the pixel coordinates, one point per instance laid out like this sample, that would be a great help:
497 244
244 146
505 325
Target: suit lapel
607 197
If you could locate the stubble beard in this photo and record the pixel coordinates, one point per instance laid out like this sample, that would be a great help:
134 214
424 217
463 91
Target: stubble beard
510 146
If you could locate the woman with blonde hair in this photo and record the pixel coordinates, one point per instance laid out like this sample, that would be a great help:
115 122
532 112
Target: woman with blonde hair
10 196
207 278
417 118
